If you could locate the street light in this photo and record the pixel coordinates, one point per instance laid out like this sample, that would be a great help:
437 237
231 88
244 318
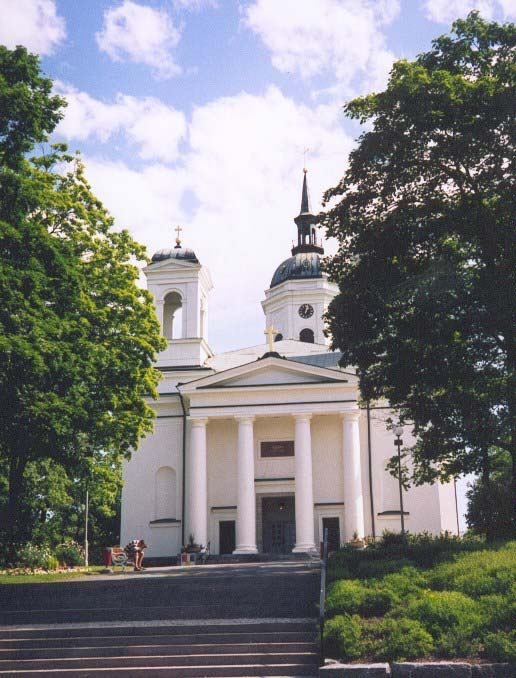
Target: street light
398 432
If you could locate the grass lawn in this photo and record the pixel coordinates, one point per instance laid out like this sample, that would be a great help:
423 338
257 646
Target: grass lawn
49 576
428 598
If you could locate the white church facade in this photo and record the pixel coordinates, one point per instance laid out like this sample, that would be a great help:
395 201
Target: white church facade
260 450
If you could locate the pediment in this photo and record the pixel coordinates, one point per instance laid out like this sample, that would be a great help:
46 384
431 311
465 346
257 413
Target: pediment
269 372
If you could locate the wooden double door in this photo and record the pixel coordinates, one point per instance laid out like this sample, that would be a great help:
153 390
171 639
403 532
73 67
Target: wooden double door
278 524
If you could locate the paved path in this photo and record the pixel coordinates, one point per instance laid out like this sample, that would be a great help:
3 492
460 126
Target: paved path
225 620
268 590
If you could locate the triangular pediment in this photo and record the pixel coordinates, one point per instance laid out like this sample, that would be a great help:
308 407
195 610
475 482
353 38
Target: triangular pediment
269 372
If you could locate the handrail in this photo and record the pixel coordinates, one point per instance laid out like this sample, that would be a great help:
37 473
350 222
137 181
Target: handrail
322 595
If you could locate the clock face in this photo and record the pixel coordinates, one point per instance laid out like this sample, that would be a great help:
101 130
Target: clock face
306 311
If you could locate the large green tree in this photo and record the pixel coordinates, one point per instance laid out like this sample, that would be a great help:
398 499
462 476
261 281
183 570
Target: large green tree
425 221
78 337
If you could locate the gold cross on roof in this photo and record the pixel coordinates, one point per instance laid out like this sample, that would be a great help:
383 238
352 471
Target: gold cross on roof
178 230
270 332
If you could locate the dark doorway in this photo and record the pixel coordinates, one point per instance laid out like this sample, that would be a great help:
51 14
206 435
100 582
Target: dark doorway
333 527
279 524
227 542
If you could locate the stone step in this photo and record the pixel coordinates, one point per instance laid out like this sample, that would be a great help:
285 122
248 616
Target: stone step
148 650
196 659
170 671
186 629
157 639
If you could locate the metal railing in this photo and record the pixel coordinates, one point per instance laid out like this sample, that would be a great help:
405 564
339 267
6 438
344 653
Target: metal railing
322 595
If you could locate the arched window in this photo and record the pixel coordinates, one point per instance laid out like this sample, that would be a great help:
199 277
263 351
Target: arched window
307 335
172 316
166 501
278 337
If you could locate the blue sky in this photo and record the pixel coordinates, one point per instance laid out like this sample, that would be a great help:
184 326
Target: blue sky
197 112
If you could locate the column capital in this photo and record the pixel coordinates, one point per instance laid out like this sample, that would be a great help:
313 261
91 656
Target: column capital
352 415
303 416
199 422
244 418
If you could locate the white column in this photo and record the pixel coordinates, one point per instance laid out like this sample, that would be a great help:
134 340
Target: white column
353 498
305 540
246 503
198 483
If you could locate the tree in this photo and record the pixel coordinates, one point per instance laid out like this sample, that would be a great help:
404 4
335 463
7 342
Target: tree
78 337
489 505
425 264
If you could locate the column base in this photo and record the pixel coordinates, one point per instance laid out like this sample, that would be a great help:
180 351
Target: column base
304 548
244 548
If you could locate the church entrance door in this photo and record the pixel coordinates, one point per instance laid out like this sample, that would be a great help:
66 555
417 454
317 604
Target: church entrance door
279 524
227 539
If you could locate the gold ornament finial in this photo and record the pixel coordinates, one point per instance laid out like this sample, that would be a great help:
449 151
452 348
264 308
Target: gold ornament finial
271 332
178 230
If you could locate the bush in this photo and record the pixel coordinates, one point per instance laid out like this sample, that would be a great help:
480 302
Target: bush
378 601
342 637
399 640
33 556
70 553
345 597
51 563
380 568
409 580
443 611
500 646
351 597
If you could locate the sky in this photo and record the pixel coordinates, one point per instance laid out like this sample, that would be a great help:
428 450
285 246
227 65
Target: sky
198 113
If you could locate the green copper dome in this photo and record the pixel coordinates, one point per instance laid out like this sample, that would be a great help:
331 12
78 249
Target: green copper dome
184 253
300 266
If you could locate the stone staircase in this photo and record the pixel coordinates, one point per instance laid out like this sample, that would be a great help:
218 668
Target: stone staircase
275 648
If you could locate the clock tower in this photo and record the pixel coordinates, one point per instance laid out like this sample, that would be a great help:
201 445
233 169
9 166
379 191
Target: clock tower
300 291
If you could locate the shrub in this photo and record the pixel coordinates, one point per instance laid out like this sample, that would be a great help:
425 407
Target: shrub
345 597
409 580
51 563
70 553
500 646
33 556
443 611
399 640
377 601
342 637
381 568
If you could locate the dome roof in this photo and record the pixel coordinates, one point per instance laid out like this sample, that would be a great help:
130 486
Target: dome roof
301 265
184 253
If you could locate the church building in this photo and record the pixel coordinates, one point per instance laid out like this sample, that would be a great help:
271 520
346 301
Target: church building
259 450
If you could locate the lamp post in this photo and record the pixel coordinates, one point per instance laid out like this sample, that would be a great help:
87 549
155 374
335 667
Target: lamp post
398 432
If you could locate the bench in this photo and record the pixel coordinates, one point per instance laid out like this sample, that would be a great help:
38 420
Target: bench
120 557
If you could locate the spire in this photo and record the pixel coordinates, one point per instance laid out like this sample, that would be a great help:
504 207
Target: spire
306 207
305 222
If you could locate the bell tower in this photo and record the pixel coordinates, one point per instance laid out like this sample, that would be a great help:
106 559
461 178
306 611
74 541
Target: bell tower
300 291
180 286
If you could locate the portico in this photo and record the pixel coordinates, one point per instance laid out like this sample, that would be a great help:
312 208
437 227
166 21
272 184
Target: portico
272 449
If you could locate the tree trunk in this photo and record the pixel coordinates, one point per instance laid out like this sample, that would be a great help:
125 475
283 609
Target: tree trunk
16 470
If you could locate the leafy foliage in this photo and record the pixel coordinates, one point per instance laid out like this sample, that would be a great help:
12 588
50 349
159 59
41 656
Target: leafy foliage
451 605
425 266
78 337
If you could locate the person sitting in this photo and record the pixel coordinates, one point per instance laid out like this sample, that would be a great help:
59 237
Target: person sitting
138 556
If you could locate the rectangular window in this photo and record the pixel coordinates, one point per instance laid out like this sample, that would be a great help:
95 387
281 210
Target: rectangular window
281 448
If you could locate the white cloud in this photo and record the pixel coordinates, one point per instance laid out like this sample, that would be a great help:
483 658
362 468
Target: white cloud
446 11
242 170
32 23
341 38
140 34
194 5
156 128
